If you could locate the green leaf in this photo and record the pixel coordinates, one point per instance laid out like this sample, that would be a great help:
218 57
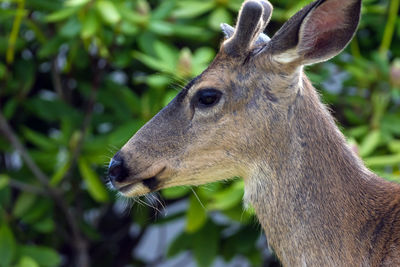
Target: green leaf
4 181
7 245
239 214
108 11
90 25
3 71
161 27
181 243
201 58
125 131
205 245
382 161
198 34
10 108
59 174
38 139
153 63
218 16
76 2
196 215
61 14
203 55
167 54
5 199
191 9
370 143
394 146
169 96
71 28
163 10
159 81
228 198
43 208
44 226
44 256
128 28
24 202
359 131
26 261
51 47
175 192
96 188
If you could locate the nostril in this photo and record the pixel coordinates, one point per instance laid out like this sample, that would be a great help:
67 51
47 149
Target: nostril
116 170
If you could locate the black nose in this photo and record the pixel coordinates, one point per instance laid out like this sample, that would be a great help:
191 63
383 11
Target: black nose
117 172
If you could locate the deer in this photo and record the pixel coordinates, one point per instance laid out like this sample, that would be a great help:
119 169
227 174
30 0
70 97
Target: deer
254 114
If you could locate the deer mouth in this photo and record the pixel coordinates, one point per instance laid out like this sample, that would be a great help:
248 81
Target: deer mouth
151 183
141 186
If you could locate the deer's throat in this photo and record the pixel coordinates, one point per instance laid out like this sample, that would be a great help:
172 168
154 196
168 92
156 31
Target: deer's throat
310 189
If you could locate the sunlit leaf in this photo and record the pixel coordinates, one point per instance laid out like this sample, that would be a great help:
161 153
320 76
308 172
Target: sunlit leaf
95 187
175 192
4 181
61 14
108 11
191 9
167 54
76 2
382 161
228 197
218 16
153 63
196 215
26 261
369 143
44 256
90 25
161 27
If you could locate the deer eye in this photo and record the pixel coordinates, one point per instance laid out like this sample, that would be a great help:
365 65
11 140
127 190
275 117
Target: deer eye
207 98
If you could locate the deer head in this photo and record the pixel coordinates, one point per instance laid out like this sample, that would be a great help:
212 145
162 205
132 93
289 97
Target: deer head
240 112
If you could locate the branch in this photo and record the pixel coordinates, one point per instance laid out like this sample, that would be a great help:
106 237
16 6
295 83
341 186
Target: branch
87 119
79 243
55 76
27 187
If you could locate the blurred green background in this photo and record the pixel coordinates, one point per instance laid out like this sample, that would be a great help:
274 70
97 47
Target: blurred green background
79 77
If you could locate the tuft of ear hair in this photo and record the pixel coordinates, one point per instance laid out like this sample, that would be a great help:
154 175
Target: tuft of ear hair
253 17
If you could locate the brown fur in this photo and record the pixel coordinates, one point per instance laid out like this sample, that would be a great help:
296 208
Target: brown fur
317 202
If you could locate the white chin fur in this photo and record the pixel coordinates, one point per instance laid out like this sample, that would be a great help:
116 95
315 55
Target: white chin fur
136 190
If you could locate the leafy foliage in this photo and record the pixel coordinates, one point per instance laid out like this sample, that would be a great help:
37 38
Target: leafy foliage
79 77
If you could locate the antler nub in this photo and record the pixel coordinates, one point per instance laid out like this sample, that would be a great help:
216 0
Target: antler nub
252 19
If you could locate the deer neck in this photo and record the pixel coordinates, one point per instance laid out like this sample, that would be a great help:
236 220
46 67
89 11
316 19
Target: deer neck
310 194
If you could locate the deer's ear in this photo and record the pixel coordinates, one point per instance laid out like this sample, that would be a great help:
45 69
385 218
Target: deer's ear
316 33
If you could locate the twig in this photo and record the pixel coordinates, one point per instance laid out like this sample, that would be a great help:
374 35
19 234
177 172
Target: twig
26 187
86 120
79 243
55 76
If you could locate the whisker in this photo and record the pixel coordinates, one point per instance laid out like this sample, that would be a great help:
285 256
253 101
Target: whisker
195 194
